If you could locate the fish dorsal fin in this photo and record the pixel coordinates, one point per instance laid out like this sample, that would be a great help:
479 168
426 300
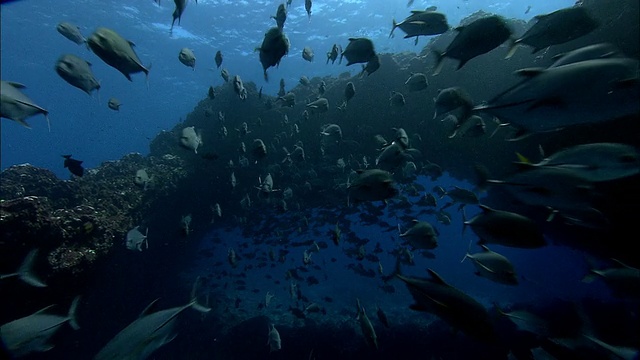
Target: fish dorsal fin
44 309
621 264
529 72
16 85
415 221
149 309
131 43
485 248
459 28
431 8
436 278
352 39
486 209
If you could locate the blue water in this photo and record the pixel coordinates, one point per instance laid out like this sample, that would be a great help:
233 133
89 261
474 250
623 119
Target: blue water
83 126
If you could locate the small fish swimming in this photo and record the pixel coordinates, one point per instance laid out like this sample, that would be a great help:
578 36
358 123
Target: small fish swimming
74 166
71 32
187 57
114 104
135 239
191 139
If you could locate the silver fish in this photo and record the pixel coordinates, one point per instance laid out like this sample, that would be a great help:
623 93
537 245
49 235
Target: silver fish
148 332
493 266
190 139
32 333
16 106
71 32
116 51
77 72
187 57
135 239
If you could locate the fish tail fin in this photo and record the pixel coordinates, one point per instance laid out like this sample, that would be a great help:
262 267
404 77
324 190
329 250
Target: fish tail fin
25 272
438 66
194 298
513 46
72 313
393 27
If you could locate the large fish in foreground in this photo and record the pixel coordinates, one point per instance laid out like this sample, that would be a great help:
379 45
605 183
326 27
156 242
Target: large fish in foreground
116 51
584 92
474 39
434 295
274 46
556 28
147 333
16 106
32 333
596 161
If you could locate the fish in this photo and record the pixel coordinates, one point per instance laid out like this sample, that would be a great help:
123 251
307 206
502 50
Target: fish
211 94
596 162
307 8
239 89
71 32
191 139
225 75
372 66
472 126
77 72
584 92
274 341
135 239
366 327
25 271
218 59
258 149
459 310
333 54
396 99
359 50
589 52
349 91
280 16
421 235
307 54
623 280
318 106
417 82
185 224
187 57
461 196
555 28
32 333
304 81
474 39
557 189
150 331
16 106
74 166
142 178
116 52
274 46
527 321
114 104
493 266
422 23
177 12
505 228
381 315
372 185
453 101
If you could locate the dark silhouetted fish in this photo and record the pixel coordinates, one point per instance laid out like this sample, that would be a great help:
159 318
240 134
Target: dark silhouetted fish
74 166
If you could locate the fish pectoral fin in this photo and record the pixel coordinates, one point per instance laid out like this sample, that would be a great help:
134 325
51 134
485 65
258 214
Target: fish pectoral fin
16 85
485 267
